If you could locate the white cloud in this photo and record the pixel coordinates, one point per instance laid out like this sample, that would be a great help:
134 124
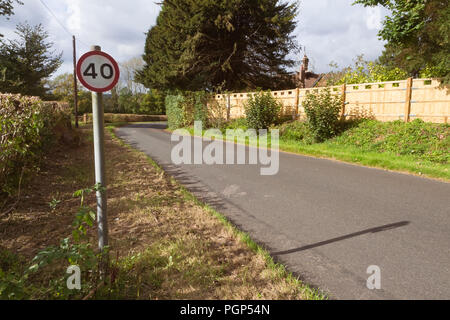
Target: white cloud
373 16
331 30
117 26
338 31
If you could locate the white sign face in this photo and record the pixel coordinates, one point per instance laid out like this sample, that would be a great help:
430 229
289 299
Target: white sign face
98 71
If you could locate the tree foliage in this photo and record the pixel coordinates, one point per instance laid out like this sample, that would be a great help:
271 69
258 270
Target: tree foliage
62 90
364 71
7 7
232 44
27 62
417 35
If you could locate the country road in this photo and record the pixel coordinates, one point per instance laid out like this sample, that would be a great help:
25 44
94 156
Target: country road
328 221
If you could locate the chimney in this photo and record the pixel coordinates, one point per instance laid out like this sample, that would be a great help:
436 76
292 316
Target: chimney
302 73
305 63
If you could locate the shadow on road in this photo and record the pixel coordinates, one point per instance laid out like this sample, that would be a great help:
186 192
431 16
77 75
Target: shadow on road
154 125
348 236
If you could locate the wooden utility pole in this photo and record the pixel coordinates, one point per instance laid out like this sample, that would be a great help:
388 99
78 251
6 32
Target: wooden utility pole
75 87
409 82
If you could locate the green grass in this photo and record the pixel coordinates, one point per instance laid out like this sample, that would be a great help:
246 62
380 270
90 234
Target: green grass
417 147
385 160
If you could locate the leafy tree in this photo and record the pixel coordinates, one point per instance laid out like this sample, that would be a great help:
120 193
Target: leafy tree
232 44
417 35
128 102
111 104
153 102
62 90
364 71
128 71
27 62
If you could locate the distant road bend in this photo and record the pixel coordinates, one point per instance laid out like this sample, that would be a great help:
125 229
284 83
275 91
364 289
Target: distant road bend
328 221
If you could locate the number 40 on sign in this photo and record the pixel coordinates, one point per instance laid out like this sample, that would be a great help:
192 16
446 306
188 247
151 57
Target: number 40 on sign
98 71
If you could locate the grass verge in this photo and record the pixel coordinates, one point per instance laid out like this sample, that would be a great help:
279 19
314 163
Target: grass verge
417 148
164 243
278 270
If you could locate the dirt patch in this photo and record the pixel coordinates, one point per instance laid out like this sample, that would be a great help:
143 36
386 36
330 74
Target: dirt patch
166 245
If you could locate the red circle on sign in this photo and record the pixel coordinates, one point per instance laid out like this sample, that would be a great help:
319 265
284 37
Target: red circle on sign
107 56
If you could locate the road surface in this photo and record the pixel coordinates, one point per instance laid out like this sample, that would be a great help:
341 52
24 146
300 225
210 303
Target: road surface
328 221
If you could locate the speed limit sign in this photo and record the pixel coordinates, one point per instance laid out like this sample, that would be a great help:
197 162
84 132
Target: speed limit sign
98 71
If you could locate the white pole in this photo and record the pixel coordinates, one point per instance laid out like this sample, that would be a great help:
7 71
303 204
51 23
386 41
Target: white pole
99 155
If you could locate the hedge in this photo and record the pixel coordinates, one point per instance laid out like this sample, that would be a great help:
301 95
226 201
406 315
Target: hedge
183 109
27 128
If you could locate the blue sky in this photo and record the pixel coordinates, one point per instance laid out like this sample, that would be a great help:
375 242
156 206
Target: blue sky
331 30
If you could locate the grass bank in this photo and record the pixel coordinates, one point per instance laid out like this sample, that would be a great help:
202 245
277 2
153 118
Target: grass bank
164 243
417 147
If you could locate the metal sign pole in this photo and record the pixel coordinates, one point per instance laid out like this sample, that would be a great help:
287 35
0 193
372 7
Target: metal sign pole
99 154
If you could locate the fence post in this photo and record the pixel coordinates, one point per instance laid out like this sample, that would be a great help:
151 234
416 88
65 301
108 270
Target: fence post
228 106
344 96
409 82
297 103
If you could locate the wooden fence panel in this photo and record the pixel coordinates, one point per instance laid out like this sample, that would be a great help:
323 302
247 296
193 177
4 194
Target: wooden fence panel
384 101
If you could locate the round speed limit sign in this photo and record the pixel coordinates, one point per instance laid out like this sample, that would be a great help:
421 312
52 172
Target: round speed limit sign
98 71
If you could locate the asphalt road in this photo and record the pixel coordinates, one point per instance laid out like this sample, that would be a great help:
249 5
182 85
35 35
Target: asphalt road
328 221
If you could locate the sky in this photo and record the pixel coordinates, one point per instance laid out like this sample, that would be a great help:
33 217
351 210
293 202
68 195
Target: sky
330 30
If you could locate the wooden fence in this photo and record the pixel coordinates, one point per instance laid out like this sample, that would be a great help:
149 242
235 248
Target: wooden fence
385 101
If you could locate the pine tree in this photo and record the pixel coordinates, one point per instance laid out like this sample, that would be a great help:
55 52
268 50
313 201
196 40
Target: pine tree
27 63
231 44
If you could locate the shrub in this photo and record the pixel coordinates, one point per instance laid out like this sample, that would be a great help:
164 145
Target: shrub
239 123
27 127
322 112
262 110
217 113
297 131
22 280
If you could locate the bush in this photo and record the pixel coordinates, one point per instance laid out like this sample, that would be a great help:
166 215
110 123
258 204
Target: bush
239 123
262 110
322 112
22 280
27 126
297 131
217 113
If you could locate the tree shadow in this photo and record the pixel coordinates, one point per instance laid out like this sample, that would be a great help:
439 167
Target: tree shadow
348 236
